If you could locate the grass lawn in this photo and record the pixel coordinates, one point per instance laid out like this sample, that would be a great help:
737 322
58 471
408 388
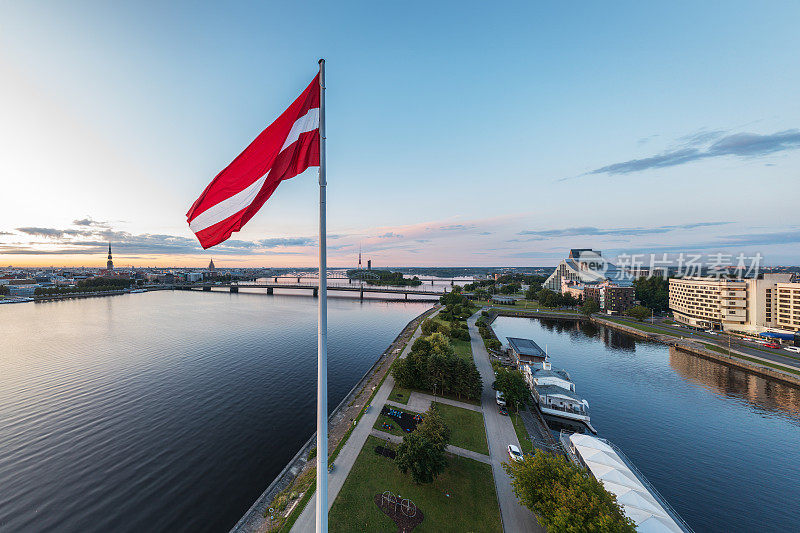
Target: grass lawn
522 433
463 349
399 394
641 327
463 498
466 427
396 429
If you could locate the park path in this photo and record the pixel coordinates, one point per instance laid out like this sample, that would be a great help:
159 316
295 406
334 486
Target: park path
499 433
419 402
455 450
347 455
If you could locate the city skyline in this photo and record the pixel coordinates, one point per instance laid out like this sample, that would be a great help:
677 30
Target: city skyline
546 130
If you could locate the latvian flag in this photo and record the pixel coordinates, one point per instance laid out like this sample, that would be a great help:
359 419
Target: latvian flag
285 149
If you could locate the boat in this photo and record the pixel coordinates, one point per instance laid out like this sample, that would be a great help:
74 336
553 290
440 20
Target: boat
16 300
555 394
640 501
137 291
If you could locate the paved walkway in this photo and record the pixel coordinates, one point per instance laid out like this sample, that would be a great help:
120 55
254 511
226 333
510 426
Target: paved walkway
419 402
347 455
500 433
455 450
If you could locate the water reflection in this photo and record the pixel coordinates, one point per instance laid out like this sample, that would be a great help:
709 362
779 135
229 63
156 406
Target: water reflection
734 382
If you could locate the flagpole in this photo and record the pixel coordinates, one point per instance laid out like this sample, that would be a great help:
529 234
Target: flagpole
322 331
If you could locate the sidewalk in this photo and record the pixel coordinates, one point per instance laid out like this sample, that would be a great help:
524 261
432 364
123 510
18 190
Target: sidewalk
455 450
419 402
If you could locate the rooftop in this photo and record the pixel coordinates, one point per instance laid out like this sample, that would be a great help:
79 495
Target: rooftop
525 347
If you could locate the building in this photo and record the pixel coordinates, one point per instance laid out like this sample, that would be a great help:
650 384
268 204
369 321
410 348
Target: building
502 299
787 308
193 277
612 298
211 267
109 263
771 302
585 266
525 351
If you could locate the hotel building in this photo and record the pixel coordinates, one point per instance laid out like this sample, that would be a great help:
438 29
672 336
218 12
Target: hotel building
747 305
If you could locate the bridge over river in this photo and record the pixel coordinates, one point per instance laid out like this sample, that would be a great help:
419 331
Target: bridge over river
311 284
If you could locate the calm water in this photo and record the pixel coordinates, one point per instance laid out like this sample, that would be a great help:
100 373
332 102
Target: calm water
720 444
166 411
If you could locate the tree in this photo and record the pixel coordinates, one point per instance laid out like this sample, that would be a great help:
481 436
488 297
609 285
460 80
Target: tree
639 312
481 294
433 427
513 386
590 306
653 292
423 458
564 497
429 326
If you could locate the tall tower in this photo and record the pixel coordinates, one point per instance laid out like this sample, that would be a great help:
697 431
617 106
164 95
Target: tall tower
110 263
211 266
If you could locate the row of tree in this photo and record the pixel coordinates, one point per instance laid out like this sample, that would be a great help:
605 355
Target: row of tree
384 277
456 329
548 298
98 284
433 365
489 338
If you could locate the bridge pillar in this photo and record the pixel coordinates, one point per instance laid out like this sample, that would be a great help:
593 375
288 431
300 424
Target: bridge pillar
276 280
269 290
298 280
350 280
207 288
406 296
316 292
361 294
451 282
431 283
234 289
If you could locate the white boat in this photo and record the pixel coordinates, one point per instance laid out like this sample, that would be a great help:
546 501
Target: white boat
555 394
137 291
640 501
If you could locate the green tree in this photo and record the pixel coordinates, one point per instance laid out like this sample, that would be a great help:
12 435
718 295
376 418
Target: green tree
513 386
590 306
433 427
564 497
653 292
481 294
639 312
423 458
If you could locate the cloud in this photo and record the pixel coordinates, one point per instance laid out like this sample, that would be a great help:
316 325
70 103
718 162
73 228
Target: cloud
390 235
6 233
485 233
50 233
591 230
286 241
457 227
697 147
89 221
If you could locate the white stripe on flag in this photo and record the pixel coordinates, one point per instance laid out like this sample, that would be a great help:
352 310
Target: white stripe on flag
306 123
227 207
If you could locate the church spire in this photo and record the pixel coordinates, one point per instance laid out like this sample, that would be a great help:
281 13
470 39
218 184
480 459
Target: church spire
110 263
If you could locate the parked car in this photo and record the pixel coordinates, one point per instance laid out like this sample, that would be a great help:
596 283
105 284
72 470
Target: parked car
771 345
794 349
514 453
711 332
501 401
503 411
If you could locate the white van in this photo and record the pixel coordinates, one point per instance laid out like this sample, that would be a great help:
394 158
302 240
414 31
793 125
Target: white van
501 401
794 349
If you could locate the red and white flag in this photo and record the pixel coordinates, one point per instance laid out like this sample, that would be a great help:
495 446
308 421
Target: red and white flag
285 149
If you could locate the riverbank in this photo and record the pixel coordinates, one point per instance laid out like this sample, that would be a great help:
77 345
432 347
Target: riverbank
291 490
730 357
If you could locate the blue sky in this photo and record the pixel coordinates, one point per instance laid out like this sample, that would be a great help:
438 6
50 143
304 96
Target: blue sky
459 133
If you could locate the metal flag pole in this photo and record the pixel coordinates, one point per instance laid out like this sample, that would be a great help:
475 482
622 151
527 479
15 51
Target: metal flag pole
322 331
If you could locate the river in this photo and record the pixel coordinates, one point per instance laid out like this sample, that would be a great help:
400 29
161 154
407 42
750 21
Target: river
721 445
166 411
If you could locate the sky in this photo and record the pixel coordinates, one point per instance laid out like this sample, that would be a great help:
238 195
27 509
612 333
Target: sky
459 133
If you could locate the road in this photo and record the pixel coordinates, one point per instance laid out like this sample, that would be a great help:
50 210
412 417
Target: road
721 340
500 433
